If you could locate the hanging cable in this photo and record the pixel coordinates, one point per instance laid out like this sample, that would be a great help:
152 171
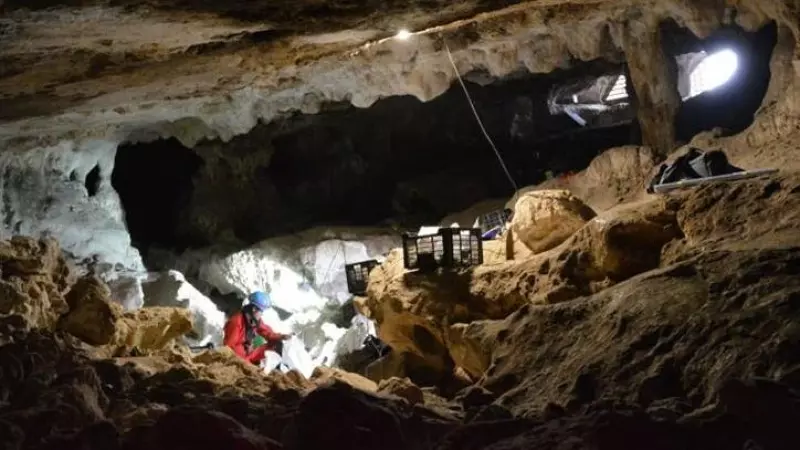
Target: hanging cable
478 118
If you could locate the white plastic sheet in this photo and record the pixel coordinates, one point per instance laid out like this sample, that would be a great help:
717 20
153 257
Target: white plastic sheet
271 361
428 230
296 357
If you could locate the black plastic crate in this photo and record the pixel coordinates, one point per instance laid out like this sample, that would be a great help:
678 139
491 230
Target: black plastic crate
358 276
450 247
497 218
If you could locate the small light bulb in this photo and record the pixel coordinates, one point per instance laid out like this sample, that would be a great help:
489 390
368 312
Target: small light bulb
403 35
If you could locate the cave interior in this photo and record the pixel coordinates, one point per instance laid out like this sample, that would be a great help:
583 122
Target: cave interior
406 163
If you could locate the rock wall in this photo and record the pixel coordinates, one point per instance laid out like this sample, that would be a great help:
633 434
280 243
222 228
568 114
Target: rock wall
654 79
227 92
400 161
65 192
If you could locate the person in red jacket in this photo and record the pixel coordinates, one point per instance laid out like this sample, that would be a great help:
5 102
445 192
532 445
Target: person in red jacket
244 326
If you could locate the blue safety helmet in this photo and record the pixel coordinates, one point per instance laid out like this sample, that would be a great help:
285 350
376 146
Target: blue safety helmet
260 300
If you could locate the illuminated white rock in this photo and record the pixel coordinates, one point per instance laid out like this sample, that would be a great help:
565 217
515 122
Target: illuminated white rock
172 289
302 270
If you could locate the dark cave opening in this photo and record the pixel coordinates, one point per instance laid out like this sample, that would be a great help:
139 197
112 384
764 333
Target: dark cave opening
154 183
400 162
417 162
92 182
731 106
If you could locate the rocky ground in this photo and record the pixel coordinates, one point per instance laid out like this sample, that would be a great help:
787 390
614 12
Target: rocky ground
668 323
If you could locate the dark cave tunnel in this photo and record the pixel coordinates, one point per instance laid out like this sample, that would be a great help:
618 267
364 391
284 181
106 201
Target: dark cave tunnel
402 159
154 183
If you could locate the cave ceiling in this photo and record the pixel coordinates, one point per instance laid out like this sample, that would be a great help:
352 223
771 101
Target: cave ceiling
193 69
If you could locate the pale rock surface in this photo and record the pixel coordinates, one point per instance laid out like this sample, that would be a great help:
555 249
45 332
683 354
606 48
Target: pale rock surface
544 219
301 270
403 388
326 375
44 194
170 288
467 352
413 311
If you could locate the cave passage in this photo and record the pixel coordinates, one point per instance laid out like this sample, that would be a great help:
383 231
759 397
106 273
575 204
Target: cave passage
732 105
400 162
417 162
154 182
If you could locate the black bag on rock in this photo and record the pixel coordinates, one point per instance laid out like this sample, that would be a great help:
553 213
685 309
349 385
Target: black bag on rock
694 164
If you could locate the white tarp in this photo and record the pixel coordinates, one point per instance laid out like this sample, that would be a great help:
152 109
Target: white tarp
353 339
271 361
295 357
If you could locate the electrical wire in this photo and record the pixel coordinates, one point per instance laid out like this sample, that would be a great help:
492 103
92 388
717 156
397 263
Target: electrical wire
478 118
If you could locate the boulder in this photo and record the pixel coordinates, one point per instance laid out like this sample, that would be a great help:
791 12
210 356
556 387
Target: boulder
612 247
326 375
544 219
34 277
150 329
91 318
403 388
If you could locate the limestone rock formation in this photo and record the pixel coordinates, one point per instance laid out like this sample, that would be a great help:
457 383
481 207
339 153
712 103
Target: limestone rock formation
312 259
680 307
91 317
669 323
325 375
412 310
403 388
64 191
35 278
349 63
41 293
151 328
423 313
699 353
170 288
468 350
544 219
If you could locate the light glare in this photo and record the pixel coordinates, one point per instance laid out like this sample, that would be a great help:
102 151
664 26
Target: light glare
714 71
403 35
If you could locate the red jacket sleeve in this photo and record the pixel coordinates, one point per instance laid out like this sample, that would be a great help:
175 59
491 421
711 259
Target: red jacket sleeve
234 335
268 333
